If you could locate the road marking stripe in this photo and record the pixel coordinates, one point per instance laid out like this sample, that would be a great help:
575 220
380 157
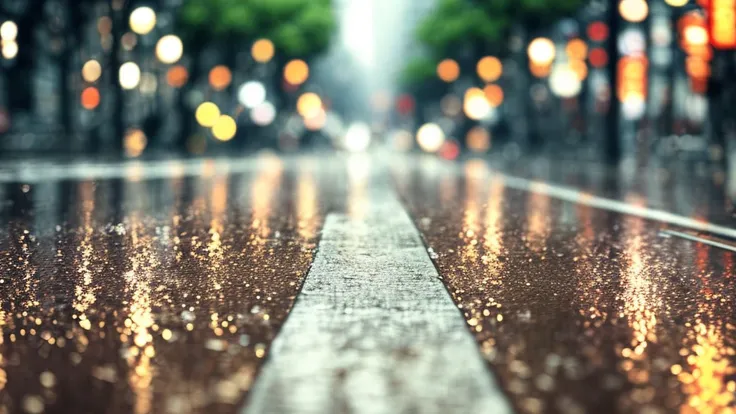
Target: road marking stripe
373 329
691 237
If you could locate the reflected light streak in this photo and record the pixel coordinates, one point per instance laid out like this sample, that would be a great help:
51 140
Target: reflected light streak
475 173
359 172
538 225
84 291
306 204
215 248
262 195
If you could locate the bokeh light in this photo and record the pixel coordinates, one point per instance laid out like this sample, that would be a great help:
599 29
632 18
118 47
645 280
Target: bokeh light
129 75
489 68
634 11
90 98
564 82
450 150
430 137
316 121
296 72
676 3
451 105
597 31
225 128
448 70
135 142
169 49
262 50
10 49
541 51
493 94
309 104
8 30
264 114
475 104
540 70
402 140
207 114
220 77
478 139
580 68
142 20
177 76
577 49
598 57
148 84
91 71
357 137
251 94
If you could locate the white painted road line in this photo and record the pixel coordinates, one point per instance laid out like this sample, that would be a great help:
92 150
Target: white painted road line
714 243
373 329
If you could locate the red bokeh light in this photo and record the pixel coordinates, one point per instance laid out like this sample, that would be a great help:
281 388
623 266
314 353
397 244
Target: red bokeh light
598 31
598 57
405 104
450 150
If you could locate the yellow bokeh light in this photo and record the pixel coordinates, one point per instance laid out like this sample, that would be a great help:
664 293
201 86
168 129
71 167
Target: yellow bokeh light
207 114
91 71
135 142
490 68
695 35
262 50
220 77
676 3
8 30
577 49
169 49
296 72
224 128
475 104
634 11
129 75
448 70
309 105
317 121
142 20
541 51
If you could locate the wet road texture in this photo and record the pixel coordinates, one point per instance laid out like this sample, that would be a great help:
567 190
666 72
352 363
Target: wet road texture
162 293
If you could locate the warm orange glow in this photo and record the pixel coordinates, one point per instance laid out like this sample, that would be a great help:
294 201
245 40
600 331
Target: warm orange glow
262 50
494 94
448 70
296 72
309 105
634 11
598 57
695 35
490 68
633 82
580 68
90 98
540 70
135 142
697 67
316 121
220 77
722 23
478 139
577 49
177 76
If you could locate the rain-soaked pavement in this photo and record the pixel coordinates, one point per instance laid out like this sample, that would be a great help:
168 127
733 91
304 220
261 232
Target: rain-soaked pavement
149 293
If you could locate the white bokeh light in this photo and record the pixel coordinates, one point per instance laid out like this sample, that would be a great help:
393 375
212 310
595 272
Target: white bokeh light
564 82
430 137
142 20
251 94
357 137
169 49
263 114
130 75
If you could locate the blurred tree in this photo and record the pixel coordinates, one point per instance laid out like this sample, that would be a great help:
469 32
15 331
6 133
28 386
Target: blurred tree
298 29
467 29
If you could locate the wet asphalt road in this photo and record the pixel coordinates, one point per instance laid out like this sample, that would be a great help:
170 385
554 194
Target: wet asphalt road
162 293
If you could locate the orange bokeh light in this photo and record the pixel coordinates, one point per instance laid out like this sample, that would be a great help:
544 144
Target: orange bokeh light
262 50
489 68
580 68
90 98
448 70
540 70
220 77
177 76
296 72
494 94
697 67
577 49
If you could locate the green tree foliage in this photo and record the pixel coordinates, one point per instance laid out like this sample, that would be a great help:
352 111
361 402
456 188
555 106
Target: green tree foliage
478 27
298 28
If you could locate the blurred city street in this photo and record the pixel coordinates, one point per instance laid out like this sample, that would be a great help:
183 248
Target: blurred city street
161 286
